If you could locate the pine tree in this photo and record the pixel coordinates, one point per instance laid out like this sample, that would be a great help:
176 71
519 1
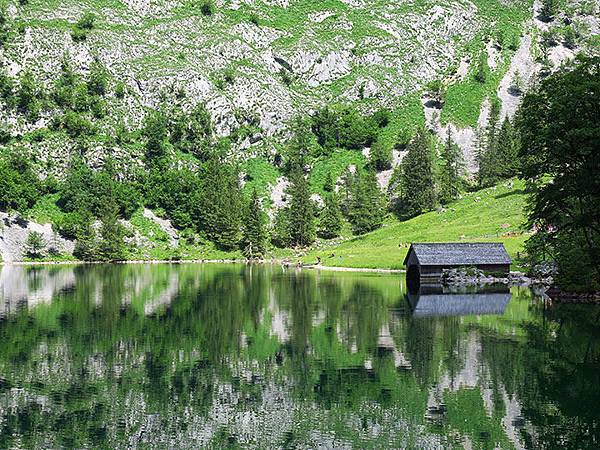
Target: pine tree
301 211
330 219
417 186
254 231
86 246
452 170
329 185
155 131
111 246
381 156
35 245
219 205
367 207
507 150
547 10
482 68
345 194
280 232
487 153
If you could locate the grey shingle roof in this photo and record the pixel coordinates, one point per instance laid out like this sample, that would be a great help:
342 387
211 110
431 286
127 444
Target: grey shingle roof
457 254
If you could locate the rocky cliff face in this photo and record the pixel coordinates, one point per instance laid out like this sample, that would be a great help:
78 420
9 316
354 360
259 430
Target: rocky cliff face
267 61
252 59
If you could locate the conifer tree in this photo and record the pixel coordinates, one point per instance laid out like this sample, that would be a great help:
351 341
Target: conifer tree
35 245
487 153
219 209
254 230
367 208
330 219
280 232
381 156
111 246
155 131
547 10
329 185
507 150
416 184
345 194
452 169
301 211
85 245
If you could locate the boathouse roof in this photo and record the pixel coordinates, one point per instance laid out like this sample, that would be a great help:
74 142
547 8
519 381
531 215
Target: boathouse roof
459 254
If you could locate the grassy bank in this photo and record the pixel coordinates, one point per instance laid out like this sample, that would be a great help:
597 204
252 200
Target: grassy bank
494 214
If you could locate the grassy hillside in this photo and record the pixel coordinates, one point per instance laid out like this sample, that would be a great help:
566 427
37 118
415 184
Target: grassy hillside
494 214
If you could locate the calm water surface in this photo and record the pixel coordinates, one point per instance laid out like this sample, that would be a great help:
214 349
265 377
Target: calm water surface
260 357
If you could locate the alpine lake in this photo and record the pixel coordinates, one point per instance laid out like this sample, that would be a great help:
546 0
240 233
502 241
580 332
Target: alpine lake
262 356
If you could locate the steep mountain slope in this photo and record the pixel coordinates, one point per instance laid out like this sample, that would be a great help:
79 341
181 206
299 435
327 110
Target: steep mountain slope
265 61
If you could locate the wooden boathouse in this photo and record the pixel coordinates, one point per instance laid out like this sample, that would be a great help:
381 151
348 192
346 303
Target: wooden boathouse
426 262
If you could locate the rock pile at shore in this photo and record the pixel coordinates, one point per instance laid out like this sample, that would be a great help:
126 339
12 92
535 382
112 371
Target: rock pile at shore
476 277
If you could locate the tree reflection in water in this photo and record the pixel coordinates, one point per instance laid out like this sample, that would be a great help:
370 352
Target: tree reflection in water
254 356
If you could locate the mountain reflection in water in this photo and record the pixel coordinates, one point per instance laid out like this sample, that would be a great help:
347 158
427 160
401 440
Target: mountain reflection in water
226 356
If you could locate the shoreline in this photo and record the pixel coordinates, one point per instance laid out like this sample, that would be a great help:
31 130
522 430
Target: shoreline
556 295
282 262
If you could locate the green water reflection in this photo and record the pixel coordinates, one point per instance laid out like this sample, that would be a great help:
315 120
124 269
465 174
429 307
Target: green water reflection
226 356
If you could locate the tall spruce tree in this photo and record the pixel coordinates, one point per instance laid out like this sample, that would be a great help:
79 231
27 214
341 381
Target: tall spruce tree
86 245
487 153
367 206
254 241
280 231
301 211
155 131
219 203
345 194
452 170
417 185
507 151
111 246
381 155
330 219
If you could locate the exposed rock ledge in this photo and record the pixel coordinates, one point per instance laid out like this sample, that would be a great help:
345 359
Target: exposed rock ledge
14 231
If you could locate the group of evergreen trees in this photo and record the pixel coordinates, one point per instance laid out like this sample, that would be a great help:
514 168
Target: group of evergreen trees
497 150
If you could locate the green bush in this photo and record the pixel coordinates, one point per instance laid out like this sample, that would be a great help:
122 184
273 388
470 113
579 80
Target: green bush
19 186
35 245
207 8
83 26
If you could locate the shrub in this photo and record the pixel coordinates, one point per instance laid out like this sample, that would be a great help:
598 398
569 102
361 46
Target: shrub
19 186
120 90
74 124
254 19
97 83
86 22
83 27
35 245
28 96
207 8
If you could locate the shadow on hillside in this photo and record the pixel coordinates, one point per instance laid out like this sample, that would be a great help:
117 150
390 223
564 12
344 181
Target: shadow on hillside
511 193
